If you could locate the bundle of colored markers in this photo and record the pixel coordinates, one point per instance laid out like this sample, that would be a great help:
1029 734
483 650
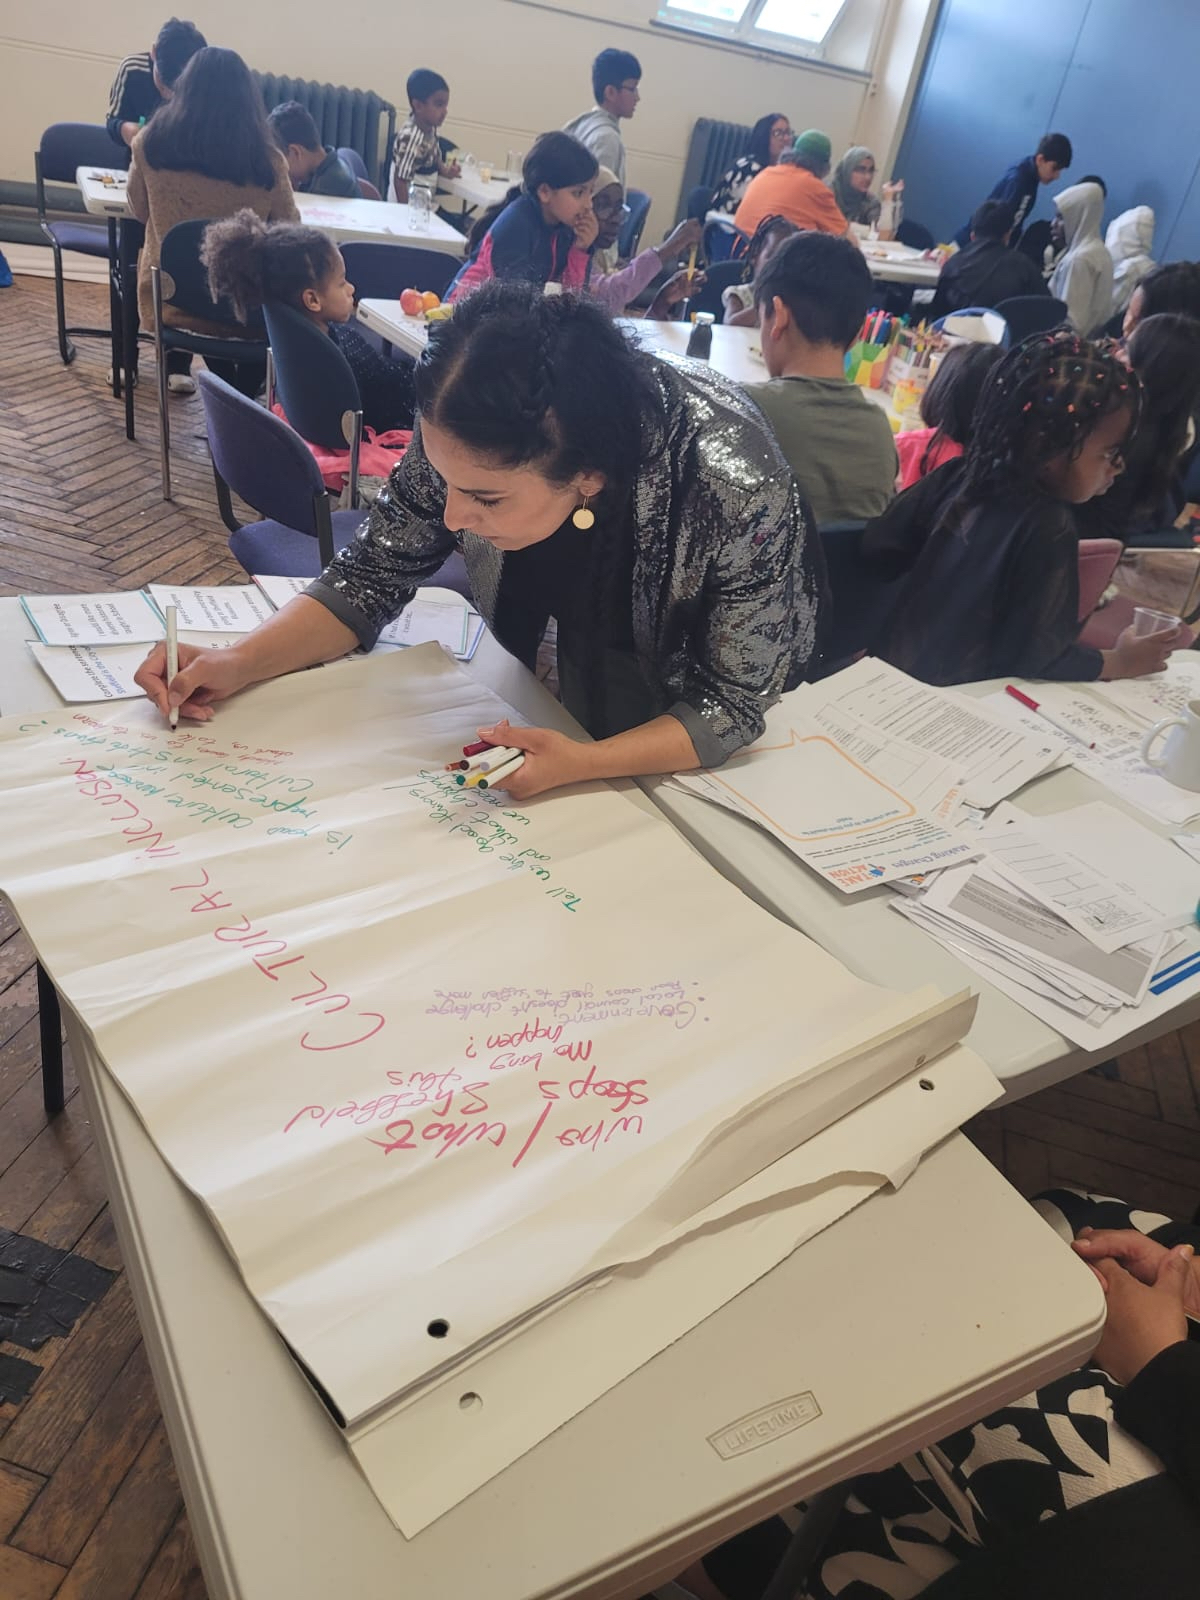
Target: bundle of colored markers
484 765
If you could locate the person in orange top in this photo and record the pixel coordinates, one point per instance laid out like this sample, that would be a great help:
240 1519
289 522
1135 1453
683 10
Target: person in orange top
794 189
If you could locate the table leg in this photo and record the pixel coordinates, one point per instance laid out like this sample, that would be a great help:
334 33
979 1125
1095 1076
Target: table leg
50 1032
128 325
114 305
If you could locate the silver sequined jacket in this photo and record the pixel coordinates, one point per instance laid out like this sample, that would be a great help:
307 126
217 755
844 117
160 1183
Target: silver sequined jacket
728 576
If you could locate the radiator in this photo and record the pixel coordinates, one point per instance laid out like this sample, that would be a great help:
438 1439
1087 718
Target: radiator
357 118
714 147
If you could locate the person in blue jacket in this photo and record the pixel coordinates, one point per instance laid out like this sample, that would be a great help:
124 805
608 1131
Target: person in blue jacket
1019 186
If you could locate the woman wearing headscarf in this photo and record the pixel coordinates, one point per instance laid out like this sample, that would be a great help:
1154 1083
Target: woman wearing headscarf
1130 238
851 182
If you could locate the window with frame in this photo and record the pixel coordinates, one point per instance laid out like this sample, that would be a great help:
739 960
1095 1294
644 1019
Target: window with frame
800 27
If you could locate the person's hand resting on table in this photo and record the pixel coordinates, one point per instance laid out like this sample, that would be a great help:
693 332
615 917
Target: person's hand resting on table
1143 1319
1140 1255
551 759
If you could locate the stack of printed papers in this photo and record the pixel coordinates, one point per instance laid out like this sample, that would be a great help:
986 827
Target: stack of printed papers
1083 917
865 775
90 645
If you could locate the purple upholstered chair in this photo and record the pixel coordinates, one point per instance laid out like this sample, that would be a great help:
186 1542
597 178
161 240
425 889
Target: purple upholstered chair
64 147
269 466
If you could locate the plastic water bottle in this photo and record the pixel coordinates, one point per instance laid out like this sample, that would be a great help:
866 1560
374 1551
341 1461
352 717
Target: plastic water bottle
700 339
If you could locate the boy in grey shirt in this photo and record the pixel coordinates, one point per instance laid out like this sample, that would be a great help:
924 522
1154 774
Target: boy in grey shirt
812 296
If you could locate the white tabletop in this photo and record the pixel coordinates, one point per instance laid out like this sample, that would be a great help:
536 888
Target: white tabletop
103 190
469 186
376 221
893 262
919 1341
735 351
864 933
385 318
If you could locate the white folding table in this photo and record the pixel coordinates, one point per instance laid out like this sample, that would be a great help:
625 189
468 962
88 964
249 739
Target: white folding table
915 1314
867 936
104 192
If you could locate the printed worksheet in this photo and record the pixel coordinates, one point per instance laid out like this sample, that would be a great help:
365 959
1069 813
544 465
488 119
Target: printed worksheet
88 619
232 608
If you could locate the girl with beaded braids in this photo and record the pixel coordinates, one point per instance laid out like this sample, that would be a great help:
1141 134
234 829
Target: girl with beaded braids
989 542
640 501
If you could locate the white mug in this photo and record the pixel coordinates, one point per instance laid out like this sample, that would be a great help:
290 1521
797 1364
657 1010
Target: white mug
1180 760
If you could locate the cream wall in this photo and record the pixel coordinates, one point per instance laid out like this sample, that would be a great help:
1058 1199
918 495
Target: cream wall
515 67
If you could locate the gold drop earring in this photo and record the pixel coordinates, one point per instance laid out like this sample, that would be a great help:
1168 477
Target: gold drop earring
583 516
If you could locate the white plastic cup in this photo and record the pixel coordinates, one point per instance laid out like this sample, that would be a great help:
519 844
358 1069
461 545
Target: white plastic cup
1147 621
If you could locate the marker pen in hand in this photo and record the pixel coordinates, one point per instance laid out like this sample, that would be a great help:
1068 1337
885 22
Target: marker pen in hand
172 659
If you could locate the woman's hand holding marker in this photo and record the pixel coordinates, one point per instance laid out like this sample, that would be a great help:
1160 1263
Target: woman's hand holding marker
544 760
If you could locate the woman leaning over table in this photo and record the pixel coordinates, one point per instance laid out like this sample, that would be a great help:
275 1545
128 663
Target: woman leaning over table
641 502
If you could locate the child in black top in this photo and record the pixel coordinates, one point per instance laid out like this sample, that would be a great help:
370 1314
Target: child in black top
989 542
144 81
250 261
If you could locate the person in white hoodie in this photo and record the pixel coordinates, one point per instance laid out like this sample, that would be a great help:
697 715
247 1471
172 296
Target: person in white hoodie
1083 278
1129 239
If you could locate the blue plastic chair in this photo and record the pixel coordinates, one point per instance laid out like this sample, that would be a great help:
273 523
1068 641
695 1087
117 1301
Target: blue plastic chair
630 236
1028 314
181 281
267 464
64 147
354 161
315 384
861 600
383 271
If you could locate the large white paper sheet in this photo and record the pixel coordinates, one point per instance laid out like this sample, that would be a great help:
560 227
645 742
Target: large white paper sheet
428 1058
93 619
433 1451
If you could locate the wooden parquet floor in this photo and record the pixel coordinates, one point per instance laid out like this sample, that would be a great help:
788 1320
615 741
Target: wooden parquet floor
89 1504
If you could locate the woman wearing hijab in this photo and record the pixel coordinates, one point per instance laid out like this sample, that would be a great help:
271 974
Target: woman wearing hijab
851 182
1130 238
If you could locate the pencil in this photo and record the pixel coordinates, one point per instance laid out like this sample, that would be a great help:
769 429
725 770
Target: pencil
172 659
691 265
506 771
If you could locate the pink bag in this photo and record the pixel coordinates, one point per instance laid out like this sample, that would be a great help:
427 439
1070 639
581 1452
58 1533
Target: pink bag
377 454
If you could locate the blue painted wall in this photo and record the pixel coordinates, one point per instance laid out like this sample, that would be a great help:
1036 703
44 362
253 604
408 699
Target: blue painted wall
1116 76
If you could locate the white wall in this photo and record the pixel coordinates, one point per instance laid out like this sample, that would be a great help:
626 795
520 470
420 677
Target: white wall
515 68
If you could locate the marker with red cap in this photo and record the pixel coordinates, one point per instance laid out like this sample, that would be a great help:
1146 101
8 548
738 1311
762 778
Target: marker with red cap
1048 716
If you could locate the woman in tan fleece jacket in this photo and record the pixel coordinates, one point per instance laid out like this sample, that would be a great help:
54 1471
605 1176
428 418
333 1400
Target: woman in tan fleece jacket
207 153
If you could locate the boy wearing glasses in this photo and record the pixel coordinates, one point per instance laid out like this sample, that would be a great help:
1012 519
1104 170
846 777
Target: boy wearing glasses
616 75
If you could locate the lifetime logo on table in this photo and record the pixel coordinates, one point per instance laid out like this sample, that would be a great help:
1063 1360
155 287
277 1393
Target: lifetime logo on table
760 1427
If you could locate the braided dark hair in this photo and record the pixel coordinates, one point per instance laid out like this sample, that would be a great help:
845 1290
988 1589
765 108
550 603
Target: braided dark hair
548 381
768 226
1041 401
